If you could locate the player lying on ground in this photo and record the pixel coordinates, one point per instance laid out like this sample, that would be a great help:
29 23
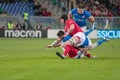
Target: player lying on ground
77 52
71 51
60 37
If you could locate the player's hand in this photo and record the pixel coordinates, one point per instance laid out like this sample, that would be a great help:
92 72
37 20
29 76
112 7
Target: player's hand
49 46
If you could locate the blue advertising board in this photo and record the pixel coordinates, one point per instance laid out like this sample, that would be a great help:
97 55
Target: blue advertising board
108 33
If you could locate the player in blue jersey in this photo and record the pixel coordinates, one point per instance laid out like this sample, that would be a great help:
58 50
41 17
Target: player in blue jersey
80 16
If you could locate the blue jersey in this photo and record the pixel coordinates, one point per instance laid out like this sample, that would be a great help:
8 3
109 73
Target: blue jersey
66 38
80 19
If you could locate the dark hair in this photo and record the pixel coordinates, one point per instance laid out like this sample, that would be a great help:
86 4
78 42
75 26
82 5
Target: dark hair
60 33
80 6
64 17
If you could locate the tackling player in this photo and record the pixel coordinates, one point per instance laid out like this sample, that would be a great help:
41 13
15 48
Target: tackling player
71 51
78 38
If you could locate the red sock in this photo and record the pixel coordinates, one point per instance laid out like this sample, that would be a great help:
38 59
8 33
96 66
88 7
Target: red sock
87 54
67 49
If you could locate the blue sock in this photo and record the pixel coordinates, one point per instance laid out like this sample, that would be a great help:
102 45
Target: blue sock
100 42
88 32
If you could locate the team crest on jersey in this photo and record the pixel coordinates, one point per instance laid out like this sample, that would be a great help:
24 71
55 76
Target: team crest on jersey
83 16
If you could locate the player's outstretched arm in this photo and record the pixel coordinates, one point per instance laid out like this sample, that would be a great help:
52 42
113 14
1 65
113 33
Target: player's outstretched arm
55 43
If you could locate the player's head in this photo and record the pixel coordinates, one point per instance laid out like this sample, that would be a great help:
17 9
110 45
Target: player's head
80 9
60 34
63 18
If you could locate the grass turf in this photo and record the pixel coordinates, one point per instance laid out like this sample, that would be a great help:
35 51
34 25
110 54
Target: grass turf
29 59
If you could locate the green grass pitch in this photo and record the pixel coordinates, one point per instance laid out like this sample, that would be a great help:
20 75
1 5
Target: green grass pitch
29 59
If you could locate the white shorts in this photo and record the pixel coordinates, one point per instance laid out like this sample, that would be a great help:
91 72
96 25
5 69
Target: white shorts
84 40
81 35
